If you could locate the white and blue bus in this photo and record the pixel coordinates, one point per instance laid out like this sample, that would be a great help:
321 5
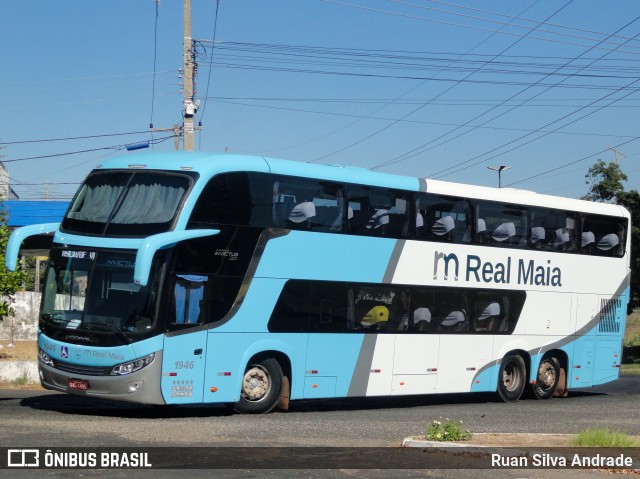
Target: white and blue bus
215 278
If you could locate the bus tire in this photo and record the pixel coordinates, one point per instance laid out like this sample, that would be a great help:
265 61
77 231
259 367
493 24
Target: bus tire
261 385
547 378
511 378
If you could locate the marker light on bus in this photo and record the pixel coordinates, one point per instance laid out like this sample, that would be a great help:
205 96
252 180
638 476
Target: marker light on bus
132 366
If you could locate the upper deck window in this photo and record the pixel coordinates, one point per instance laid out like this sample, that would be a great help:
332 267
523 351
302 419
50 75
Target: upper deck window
127 203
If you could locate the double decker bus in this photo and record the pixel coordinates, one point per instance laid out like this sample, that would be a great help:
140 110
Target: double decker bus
215 278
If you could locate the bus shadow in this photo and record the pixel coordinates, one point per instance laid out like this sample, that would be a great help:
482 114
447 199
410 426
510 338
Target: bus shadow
80 405
407 402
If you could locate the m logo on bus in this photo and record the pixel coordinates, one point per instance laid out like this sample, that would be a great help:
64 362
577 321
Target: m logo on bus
447 260
475 269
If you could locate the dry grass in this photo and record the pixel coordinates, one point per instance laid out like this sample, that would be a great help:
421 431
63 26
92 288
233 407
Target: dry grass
21 351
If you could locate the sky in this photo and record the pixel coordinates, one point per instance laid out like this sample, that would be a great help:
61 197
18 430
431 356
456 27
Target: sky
428 88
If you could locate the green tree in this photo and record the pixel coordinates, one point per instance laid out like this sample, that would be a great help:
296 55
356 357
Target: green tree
606 181
10 282
631 201
606 186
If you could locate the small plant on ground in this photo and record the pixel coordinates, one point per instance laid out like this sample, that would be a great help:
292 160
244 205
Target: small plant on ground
21 381
604 438
447 431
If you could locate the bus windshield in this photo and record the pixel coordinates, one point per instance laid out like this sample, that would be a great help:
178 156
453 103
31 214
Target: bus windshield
93 291
127 203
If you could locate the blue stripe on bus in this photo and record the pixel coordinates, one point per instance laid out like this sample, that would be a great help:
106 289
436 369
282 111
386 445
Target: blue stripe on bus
98 356
302 255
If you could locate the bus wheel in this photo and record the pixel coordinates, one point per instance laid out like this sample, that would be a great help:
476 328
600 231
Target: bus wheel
511 379
548 377
261 386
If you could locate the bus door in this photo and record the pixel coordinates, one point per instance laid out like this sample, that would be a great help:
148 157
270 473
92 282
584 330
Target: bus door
183 359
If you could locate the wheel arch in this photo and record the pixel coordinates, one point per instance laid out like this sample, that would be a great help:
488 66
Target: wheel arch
279 351
544 353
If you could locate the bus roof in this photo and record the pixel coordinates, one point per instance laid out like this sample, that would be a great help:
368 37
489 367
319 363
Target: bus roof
210 164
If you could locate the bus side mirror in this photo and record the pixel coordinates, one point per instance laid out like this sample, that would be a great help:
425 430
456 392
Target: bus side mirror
151 244
21 234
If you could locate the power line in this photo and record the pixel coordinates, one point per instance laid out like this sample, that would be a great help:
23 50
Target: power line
415 110
421 149
442 22
86 137
422 122
213 43
538 175
504 23
53 155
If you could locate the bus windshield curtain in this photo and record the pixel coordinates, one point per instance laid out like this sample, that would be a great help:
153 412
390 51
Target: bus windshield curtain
153 203
97 203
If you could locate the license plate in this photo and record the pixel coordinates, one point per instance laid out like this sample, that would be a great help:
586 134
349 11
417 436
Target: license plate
81 384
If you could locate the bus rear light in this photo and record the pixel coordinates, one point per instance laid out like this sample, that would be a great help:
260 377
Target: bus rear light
376 371
312 371
224 373
471 369
577 366
432 370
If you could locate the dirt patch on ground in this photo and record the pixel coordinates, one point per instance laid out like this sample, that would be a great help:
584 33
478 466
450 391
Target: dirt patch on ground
18 351
520 440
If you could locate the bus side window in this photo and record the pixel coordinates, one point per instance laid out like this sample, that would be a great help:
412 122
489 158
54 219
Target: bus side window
451 312
189 298
553 230
291 312
329 308
488 314
233 199
505 225
443 219
602 236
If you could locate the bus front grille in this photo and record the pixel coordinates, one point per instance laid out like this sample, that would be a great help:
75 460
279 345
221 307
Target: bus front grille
84 370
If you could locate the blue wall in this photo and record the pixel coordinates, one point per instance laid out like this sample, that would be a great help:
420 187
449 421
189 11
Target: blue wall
25 213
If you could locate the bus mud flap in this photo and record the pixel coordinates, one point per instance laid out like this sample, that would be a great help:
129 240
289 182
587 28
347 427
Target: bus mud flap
561 390
285 392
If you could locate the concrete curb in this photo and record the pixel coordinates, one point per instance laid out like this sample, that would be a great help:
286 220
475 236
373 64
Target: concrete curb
505 451
17 370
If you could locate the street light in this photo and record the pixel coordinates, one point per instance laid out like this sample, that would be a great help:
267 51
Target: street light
499 169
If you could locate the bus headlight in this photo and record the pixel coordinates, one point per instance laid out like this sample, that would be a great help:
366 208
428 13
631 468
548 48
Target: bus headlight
132 366
45 358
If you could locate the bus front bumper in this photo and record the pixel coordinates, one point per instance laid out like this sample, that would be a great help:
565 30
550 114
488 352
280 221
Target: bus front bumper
142 386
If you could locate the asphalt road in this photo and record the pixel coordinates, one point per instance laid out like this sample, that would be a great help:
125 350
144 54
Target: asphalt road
47 419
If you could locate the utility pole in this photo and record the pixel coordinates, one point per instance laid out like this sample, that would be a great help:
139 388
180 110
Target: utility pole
190 107
616 154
